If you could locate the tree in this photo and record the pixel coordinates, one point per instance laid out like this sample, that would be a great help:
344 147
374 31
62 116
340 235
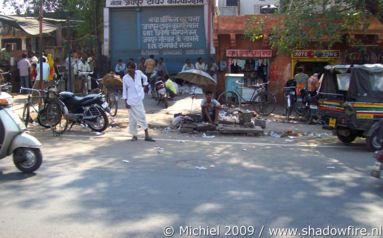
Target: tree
87 14
318 23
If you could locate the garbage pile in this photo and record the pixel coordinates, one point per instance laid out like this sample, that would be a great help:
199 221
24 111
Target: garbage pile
235 121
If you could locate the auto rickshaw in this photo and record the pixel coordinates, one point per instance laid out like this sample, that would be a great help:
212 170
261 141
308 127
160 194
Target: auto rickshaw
351 102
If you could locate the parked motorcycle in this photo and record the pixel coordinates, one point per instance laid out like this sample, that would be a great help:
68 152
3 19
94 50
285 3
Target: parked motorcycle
88 110
25 148
161 94
290 97
378 166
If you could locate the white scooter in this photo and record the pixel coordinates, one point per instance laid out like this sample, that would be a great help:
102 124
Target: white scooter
14 140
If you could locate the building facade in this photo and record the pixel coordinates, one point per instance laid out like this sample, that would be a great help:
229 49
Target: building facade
172 29
246 7
234 50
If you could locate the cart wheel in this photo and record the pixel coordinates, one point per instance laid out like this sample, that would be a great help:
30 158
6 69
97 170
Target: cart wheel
347 137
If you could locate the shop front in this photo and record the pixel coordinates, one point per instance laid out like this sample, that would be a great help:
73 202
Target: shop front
253 64
313 61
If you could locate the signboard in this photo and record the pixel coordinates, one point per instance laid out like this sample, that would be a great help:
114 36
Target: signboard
172 32
233 53
316 54
153 3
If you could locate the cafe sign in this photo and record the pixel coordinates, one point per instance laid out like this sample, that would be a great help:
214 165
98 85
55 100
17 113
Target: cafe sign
153 3
316 54
240 53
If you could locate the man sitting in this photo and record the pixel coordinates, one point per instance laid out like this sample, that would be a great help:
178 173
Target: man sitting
210 108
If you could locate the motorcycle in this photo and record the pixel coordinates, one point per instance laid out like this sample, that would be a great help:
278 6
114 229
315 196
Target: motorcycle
290 97
378 167
161 93
87 110
25 148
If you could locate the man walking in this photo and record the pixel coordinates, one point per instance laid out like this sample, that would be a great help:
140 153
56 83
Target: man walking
24 71
133 94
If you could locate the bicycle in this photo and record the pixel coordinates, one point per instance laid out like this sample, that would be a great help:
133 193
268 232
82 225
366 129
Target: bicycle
264 103
111 94
47 112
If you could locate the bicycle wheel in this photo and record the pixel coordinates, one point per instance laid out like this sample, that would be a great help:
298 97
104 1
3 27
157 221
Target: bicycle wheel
112 100
229 98
26 116
264 104
50 115
61 126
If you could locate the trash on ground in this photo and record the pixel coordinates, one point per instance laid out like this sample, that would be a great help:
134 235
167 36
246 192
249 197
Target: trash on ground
201 167
207 136
126 161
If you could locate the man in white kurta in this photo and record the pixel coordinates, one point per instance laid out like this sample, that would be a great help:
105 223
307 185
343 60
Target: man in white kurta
133 94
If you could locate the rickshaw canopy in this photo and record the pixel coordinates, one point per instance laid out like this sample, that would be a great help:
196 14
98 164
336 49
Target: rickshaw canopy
366 83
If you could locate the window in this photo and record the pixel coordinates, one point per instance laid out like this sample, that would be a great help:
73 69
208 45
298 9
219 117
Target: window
231 3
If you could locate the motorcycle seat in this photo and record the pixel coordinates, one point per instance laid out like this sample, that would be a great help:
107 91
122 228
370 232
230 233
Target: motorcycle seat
78 99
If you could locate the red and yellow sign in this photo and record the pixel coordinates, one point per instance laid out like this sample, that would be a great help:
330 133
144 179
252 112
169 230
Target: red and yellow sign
241 53
316 54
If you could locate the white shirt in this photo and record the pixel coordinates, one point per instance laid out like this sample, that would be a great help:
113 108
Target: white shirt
45 71
132 90
78 66
201 66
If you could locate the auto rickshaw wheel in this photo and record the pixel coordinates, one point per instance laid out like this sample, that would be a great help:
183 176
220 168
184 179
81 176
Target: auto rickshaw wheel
374 142
345 135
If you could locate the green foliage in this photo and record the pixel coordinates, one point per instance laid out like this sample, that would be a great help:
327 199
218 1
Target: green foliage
322 23
254 29
85 15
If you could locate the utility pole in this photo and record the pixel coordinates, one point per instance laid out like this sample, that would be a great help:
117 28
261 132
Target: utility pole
41 43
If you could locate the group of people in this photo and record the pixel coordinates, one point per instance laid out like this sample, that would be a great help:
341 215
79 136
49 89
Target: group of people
212 69
29 71
303 81
81 66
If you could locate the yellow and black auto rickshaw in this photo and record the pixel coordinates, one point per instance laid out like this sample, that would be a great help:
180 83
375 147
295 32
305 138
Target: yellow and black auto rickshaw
351 102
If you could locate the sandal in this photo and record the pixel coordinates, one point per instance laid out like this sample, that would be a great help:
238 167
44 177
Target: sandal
150 139
134 138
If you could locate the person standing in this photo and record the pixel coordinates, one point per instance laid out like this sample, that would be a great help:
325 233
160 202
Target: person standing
141 64
301 79
44 77
24 71
133 84
162 66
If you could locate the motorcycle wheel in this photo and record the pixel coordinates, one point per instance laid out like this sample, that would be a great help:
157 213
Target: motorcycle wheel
101 122
27 160
374 142
50 115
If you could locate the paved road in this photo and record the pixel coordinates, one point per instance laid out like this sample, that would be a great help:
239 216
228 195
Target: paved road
106 186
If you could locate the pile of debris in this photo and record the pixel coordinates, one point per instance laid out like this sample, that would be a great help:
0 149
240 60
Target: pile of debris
234 121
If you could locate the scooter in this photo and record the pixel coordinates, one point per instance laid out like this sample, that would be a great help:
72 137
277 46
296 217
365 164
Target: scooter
25 148
377 170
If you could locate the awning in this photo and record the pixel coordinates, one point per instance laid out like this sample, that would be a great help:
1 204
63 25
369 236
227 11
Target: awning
29 25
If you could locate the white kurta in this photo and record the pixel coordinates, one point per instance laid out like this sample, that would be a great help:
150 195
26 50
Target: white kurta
133 93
